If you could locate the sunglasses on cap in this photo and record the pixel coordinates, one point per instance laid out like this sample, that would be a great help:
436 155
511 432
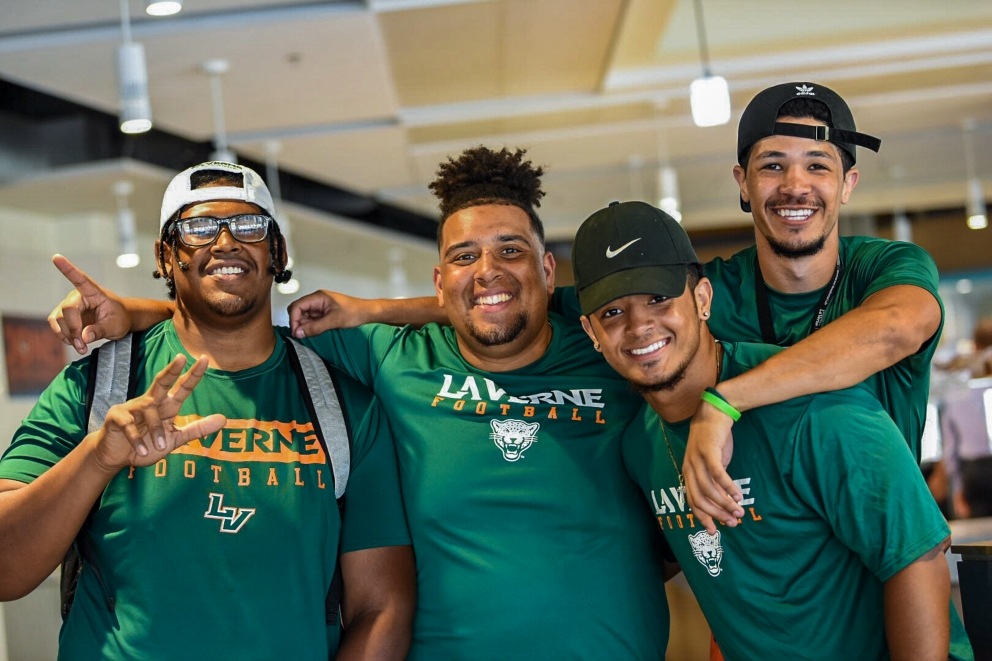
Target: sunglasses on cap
204 230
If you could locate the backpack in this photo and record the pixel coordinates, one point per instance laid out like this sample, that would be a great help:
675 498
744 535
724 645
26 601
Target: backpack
111 381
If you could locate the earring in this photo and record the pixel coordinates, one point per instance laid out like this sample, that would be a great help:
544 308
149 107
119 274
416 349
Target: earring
706 314
595 345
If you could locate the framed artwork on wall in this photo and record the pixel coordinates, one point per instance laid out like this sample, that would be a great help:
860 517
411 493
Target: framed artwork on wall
34 356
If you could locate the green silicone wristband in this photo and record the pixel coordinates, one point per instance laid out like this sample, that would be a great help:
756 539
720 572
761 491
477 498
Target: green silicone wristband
715 399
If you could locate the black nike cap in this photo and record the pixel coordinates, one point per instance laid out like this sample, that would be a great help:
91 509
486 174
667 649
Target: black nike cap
629 248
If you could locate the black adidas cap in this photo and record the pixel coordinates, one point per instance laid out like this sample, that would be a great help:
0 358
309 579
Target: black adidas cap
760 120
629 248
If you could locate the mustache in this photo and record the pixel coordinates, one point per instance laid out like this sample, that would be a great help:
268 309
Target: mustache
804 201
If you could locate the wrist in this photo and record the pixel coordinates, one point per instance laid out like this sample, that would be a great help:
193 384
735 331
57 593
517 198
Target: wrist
713 397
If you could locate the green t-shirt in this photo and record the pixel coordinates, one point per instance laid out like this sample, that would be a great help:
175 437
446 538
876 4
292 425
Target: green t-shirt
225 548
531 540
868 266
834 506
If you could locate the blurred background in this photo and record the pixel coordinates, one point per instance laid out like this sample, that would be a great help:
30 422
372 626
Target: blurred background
347 107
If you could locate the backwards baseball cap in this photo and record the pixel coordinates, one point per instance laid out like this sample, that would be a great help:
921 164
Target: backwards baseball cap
629 248
184 189
760 120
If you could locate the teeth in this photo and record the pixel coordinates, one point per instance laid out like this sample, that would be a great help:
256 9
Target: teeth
492 300
648 349
228 270
795 214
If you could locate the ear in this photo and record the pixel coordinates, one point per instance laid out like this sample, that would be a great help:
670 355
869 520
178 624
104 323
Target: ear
851 178
740 176
549 271
438 288
587 327
703 296
166 258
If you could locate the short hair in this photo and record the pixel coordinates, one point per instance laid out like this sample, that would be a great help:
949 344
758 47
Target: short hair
805 107
481 176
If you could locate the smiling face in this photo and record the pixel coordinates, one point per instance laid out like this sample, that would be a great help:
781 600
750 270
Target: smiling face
494 280
227 279
796 187
652 340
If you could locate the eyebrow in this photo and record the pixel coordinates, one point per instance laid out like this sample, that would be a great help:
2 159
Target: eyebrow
811 153
502 238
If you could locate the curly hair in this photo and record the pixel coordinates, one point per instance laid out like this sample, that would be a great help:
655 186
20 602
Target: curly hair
482 176
170 236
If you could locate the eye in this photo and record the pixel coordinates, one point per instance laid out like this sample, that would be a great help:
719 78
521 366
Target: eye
657 299
609 313
463 258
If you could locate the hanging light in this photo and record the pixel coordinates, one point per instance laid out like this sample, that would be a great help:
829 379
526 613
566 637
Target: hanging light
135 105
163 7
668 192
126 233
215 69
709 96
975 209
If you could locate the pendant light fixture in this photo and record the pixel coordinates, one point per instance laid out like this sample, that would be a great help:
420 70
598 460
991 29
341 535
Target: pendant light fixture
709 95
135 106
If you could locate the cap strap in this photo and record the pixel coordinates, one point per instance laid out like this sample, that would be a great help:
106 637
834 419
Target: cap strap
823 133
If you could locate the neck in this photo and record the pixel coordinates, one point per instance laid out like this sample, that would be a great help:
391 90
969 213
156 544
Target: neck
230 347
798 275
681 403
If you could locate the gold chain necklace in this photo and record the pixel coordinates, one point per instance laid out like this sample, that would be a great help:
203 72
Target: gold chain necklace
664 431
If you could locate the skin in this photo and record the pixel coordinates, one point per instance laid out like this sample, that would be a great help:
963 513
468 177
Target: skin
796 188
222 312
493 280
651 339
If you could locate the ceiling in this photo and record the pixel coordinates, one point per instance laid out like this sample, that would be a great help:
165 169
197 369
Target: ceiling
371 96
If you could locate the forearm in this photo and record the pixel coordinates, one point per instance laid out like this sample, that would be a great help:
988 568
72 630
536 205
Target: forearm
401 311
886 328
917 609
38 521
380 596
146 312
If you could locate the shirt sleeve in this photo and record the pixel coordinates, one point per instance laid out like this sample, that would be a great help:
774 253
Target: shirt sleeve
373 514
891 263
53 428
852 465
358 352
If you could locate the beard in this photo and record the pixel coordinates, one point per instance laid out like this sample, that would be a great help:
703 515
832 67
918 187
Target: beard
797 251
499 335
231 306
668 384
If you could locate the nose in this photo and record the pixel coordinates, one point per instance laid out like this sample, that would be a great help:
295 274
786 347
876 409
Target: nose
795 181
639 321
225 241
487 266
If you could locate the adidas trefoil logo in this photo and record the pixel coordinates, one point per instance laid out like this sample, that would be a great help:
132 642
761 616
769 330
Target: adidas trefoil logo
804 90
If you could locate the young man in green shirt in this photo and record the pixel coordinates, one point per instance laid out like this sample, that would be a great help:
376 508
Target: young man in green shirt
840 551
209 500
531 540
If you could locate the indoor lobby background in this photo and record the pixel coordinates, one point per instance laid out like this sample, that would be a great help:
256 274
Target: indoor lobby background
346 108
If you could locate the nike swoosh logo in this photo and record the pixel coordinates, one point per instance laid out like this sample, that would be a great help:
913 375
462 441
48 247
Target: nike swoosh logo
610 254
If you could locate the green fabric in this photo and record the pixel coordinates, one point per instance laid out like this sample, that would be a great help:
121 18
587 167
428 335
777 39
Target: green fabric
869 265
539 549
191 586
834 506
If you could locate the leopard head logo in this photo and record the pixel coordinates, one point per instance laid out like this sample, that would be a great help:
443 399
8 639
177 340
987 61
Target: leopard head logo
513 437
707 550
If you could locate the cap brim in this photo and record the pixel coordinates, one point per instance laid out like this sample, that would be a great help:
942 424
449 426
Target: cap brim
666 281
